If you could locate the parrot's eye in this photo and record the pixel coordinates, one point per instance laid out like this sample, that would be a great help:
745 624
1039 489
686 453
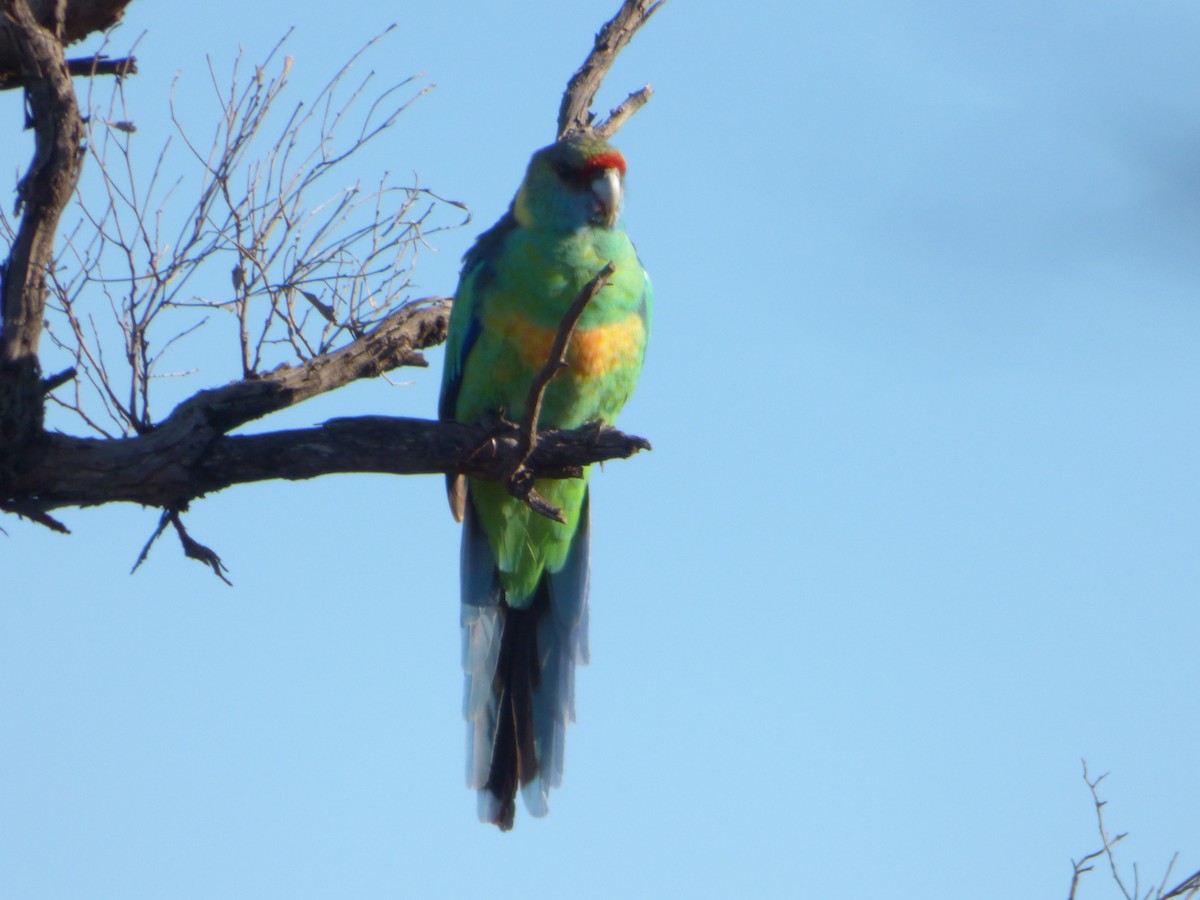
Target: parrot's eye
571 176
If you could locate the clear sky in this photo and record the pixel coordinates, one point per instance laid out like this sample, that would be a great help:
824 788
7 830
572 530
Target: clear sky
920 529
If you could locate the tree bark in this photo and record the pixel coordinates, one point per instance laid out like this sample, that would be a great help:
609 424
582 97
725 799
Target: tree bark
170 468
42 194
79 19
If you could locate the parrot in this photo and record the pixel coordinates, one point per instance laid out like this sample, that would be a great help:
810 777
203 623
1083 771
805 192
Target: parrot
523 576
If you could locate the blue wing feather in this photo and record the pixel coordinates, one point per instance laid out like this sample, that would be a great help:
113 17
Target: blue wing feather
464 330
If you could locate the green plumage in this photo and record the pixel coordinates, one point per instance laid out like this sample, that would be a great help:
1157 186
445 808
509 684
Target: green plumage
516 285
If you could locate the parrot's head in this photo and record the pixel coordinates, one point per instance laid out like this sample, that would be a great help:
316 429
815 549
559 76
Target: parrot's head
575 183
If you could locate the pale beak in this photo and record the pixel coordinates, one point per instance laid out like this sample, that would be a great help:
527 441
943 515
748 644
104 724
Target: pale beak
607 189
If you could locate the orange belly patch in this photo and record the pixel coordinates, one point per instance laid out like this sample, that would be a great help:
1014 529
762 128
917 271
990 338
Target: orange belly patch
593 352
597 351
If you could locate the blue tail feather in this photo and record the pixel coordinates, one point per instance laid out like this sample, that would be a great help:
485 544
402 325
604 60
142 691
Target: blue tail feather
519 666
562 642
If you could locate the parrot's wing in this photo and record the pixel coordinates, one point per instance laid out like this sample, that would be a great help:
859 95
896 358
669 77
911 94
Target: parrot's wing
465 323
465 328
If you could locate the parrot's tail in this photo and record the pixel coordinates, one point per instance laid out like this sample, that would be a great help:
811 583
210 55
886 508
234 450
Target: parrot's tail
520 674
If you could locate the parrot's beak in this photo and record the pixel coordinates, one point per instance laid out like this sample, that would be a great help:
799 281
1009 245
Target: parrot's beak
607 189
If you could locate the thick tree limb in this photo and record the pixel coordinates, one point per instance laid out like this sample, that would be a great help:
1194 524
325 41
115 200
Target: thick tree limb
42 194
168 470
574 113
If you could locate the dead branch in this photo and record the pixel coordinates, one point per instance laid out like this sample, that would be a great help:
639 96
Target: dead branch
1188 888
80 67
90 66
574 113
397 341
42 195
169 469
192 548
1108 841
617 117
1080 868
68 22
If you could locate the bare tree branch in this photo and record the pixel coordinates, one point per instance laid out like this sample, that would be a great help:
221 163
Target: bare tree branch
1080 868
397 341
42 195
90 66
68 21
168 469
310 270
1188 888
574 113
1108 841
192 548
80 67
628 107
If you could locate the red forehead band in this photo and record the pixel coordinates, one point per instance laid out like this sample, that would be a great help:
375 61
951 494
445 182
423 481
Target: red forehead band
601 161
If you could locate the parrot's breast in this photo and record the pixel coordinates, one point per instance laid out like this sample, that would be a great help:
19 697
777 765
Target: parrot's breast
593 352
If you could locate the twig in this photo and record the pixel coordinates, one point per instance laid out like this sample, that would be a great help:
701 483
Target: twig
1109 842
102 65
34 513
57 381
1189 887
574 113
83 67
162 526
617 117
520 482
1080 868
192 548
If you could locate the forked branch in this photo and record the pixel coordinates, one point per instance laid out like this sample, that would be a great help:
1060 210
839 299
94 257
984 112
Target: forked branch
574 113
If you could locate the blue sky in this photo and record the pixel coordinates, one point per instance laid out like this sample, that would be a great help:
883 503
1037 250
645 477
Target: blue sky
919 530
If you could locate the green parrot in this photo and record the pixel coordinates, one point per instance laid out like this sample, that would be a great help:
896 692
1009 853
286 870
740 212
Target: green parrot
524 577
